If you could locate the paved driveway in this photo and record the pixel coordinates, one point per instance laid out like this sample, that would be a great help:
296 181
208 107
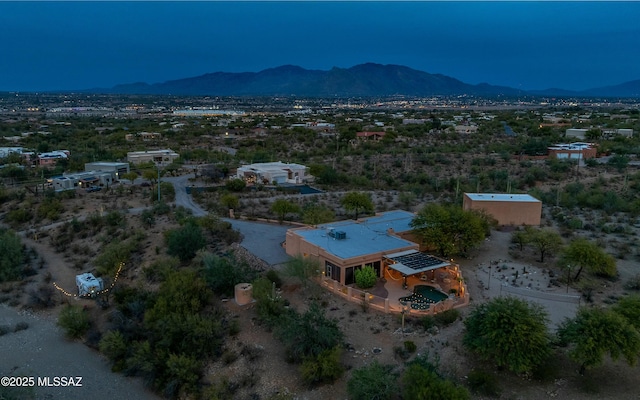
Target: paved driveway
263 240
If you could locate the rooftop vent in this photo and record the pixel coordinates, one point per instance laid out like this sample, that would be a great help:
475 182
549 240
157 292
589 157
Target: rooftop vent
338 235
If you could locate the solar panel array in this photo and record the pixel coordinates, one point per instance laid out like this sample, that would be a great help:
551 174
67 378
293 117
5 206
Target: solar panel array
418 260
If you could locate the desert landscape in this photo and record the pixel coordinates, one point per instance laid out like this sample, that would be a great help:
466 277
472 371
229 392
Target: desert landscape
253 358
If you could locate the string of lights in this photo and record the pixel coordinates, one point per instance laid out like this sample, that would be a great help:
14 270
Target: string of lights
89 295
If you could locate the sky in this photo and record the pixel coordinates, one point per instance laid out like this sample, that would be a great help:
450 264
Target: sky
78 45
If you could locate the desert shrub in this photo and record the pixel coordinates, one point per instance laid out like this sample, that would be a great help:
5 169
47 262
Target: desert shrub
420 383
309 334
148 219
18 216
115 219
484 383
410 346
224 273
273 276
428 322
366 277
160 269
509 332
50 208
184 242
114 347
447 317
401 352
270 306
113 254
323 368
11 255
574 223
220 390
373 382
74 320
42 297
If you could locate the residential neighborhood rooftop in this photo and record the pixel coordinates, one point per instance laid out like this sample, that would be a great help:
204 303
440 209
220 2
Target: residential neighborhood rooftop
502 197
362 237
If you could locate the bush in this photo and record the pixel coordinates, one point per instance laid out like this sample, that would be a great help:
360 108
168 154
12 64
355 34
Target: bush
447 317
160 269
366 277
484 383
11 255
224 273
185 242
428 322
273 276
323 368
372 382
510 332
74 320
410 346
420 383
309 334
114 347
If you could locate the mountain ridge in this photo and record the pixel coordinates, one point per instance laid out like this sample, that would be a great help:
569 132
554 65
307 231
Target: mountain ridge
362 80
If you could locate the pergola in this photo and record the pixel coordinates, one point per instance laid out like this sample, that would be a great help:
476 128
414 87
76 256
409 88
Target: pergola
413 262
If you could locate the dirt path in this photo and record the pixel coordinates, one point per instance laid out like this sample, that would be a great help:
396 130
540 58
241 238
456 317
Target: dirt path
41 350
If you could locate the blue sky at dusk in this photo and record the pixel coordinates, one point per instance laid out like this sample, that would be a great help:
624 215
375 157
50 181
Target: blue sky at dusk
528 45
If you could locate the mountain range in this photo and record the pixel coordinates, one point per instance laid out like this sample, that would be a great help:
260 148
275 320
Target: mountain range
364 80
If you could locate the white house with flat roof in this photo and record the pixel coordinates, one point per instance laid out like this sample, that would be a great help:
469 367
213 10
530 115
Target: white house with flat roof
116 168
272 172
158 157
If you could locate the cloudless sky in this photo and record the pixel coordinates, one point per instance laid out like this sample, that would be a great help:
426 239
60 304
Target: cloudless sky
530 45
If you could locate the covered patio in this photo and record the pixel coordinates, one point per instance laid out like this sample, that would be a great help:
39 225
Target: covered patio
433 285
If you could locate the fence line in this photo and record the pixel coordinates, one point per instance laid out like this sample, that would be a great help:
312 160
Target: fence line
566 298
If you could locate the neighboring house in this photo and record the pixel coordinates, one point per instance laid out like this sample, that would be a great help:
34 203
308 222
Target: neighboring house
116 168
466 129
144 136
578 133
507 209
618 132
50 159
573 151
370 135
82 180
271 172
158 157
5 151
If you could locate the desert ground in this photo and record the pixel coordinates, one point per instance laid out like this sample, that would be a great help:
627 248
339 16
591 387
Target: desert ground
42 350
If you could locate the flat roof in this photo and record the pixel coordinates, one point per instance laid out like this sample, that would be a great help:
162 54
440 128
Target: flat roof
413 262
363 237
525 198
